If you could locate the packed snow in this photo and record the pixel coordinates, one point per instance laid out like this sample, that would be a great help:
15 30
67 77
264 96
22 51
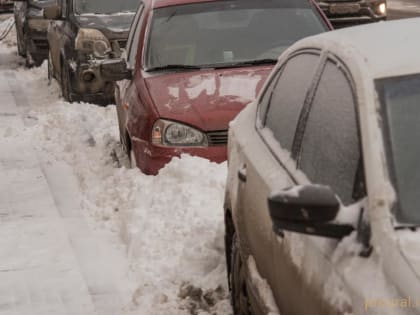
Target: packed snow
170 225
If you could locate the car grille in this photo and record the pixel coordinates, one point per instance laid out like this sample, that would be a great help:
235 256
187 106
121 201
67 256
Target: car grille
217 137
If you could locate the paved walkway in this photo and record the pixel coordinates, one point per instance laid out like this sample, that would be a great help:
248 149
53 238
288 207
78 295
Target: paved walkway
50 260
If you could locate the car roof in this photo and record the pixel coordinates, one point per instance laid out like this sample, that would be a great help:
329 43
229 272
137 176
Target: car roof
383 49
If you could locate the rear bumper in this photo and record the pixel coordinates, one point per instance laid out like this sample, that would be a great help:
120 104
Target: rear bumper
368 11
150 158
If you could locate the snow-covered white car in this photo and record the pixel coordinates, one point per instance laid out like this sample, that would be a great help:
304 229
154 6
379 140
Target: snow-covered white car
324 171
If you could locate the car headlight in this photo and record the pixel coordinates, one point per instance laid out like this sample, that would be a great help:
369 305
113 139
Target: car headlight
169 133
92 41
40 25
382 8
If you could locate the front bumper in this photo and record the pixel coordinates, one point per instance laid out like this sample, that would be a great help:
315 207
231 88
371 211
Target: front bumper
88 84
150 158
352 11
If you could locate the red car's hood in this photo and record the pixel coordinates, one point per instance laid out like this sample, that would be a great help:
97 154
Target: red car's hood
209 99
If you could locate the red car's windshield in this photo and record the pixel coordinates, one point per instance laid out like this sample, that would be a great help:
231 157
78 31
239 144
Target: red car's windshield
234 31
105 6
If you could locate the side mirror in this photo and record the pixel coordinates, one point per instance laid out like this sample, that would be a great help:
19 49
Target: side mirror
52 12
309 209
115 70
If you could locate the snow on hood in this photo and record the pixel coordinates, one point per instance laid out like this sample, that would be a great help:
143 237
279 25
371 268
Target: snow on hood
116 23
207 99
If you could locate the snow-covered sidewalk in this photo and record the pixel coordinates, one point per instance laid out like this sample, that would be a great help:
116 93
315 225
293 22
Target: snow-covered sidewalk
81 234
51 262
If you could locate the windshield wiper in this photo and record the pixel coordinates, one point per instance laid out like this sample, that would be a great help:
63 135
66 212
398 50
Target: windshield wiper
174 67
246 63
216 66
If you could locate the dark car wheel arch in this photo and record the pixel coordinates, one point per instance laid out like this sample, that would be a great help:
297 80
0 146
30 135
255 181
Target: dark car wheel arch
237 279
65 80
229 233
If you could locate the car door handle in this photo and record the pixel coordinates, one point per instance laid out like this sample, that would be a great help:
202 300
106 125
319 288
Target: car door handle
242 173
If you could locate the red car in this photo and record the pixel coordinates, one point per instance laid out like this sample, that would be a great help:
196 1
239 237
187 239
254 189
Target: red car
192 65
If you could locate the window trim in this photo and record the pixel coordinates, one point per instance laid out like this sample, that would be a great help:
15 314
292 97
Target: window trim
260 126
302 124
262 117
130 41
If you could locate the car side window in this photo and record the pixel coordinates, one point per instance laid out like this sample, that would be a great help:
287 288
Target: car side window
330 148
134 37
288 97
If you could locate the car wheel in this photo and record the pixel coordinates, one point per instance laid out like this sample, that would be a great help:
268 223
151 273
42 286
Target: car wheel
239 290
65 82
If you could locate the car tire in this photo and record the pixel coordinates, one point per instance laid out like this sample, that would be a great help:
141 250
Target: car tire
65 82
239 290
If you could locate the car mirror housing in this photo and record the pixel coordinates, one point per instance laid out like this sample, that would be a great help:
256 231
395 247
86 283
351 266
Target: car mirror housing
115 70
309 209
52 12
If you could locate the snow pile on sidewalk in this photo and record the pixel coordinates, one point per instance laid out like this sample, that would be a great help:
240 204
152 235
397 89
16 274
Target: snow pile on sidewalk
172 223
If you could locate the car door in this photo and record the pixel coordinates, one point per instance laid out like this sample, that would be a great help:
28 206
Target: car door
327 148
267 165
131 57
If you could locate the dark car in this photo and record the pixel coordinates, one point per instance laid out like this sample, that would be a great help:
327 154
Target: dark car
82 34
31 30
193 65
354 11
6 5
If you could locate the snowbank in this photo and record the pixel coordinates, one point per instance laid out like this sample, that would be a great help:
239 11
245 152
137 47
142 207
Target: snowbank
172 223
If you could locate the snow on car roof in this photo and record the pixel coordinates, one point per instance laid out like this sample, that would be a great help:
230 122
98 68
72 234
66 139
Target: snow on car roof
383 49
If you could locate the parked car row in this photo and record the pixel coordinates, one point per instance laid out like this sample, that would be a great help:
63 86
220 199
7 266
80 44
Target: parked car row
321 144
